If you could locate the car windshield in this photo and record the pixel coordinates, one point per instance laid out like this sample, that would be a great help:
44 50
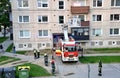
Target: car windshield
70 48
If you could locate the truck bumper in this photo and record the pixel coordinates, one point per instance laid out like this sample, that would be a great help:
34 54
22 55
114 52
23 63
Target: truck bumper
65 59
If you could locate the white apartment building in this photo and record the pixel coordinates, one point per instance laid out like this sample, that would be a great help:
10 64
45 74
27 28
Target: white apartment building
92 23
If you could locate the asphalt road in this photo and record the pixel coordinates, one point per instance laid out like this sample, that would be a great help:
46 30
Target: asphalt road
78 70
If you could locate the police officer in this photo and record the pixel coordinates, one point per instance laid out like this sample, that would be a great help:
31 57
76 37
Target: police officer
100 68
46 59
35 53
38 54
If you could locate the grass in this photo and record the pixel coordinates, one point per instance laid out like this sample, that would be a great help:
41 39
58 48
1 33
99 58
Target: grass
3 58
9 49
6 59
104 59
102 50
35 70
21 52
2 39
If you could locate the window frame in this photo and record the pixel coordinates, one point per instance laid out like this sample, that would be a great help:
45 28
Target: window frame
23 32
95 32
96 4
22 19
96 18
22 4
112 17
42 19
113 32
62 19
114 4
63 5
42 2
42 35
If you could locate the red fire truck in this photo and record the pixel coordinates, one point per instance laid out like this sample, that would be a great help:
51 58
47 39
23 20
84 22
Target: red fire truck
67 48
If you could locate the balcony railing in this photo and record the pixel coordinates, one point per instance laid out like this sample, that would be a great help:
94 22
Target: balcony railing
79 9
80 24
85 23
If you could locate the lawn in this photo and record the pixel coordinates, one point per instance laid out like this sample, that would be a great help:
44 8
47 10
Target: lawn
9 49
2 39
104 59
102 50
6 59
35 70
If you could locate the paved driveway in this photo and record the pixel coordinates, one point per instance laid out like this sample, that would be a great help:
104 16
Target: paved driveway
78 70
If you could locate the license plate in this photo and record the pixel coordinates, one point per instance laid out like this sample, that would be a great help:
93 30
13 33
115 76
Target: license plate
70 59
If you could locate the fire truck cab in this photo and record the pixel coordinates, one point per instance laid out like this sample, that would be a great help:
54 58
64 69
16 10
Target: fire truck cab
69 51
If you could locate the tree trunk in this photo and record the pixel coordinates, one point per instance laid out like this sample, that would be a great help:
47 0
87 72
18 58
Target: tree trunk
4 34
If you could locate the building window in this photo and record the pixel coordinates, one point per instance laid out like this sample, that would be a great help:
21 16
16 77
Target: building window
23 3
96 32
114 31
61 19
42 18
42 3
97 17
24 34
115 2
43 33
81 17
115 17
23 19
61 4
97 3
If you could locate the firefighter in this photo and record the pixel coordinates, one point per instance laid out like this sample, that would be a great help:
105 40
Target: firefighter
1 47
35 53
46 59
38 54
100 68
53 66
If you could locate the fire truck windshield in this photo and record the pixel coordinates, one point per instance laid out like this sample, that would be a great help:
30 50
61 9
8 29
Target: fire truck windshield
70 48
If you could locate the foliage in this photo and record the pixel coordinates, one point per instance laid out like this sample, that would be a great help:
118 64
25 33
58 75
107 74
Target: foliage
9 49
6 59
104 59
2 39
101 49
35 70
4 14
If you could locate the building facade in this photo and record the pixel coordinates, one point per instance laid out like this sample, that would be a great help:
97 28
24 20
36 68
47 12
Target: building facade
92 23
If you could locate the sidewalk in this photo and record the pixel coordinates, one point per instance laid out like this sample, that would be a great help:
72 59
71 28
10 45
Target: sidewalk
7 43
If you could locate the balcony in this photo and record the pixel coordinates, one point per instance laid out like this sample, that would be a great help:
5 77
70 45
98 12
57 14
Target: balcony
79 9
81 34
80 24
85 23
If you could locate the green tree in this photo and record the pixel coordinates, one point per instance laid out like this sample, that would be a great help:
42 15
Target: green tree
4 14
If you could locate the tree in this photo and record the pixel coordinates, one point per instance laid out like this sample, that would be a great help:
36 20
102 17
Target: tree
4 14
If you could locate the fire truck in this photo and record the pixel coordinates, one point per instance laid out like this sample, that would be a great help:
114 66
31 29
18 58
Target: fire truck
67 48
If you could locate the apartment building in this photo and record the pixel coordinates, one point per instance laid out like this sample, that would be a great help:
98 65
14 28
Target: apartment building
92 23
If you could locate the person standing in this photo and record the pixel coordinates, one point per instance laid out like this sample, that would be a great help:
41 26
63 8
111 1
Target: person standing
38 54
1 47
14 49
35 53
46 59
53 66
